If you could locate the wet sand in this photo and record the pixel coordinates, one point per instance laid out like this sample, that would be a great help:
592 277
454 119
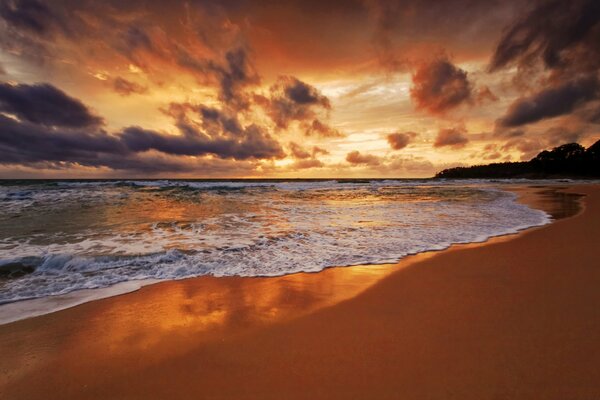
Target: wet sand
515 318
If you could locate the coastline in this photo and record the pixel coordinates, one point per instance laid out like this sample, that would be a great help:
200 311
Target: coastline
433 326
29 308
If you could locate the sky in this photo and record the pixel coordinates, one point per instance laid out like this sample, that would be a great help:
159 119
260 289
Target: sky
298 89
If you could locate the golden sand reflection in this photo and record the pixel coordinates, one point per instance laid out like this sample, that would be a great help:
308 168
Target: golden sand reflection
168 318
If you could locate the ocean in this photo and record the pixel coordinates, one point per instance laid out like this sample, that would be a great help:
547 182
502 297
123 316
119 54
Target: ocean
58 237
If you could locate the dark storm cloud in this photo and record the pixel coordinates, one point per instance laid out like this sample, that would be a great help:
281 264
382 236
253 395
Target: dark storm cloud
24 142
302 93
451 137
27 143
439 86
214 121
292 100
213 118
400 140
126 88
36 146
355 157
254 144
563 34
139 31
52 127
235 74
217 133
136 37
30 15
45 105
563 37
551 102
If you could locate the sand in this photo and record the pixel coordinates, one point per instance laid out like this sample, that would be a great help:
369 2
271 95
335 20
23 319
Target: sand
515 318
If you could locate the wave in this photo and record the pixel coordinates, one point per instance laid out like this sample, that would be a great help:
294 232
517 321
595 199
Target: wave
279 232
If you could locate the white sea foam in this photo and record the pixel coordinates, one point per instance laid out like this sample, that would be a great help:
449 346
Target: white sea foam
99 234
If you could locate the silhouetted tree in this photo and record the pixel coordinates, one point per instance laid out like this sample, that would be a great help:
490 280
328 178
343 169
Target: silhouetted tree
568 160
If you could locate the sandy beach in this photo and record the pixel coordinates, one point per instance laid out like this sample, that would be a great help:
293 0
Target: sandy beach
517 317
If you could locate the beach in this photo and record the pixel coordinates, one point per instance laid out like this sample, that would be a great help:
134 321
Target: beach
517 317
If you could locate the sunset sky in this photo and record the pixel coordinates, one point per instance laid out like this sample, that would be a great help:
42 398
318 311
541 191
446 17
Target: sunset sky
304 89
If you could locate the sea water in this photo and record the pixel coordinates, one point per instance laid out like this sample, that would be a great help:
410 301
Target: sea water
61 236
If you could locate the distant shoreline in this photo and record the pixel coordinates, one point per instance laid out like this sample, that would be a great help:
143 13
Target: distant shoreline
569 161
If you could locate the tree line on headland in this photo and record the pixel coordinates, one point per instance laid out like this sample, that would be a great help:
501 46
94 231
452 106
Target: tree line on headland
570 160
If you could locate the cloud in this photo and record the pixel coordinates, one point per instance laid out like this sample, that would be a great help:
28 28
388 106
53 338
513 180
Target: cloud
410 165
508 134
251 142
306 159
144 34
590 113
293 100
26 142
125 88
45 105
452 137
531 143
407 29
316 150
439 86
136 37
52 128
394 165
484 94
555 44
557 136
400 140
355 157
30 15
551 102
304 94
563 34
529 147
318 128
298 151
236 74
307 164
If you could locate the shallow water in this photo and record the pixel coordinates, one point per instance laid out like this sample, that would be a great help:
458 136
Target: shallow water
61 236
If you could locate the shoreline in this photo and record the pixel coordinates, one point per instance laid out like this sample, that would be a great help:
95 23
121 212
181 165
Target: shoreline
515 317
31 308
